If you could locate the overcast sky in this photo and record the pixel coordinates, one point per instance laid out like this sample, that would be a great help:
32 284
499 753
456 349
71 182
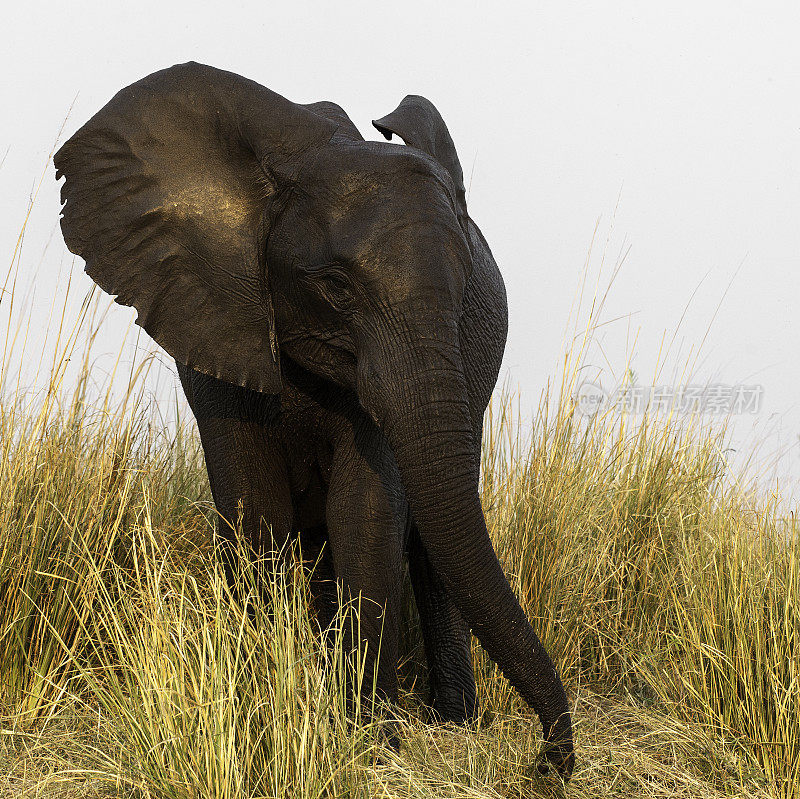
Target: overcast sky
673 129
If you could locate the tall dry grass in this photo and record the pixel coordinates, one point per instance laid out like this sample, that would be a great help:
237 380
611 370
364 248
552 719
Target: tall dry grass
654 575
667 594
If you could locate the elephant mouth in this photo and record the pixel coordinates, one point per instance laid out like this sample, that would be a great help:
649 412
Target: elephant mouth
328 354
340 345
340 342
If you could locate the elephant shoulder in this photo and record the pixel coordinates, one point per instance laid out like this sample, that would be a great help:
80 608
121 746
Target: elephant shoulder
209 397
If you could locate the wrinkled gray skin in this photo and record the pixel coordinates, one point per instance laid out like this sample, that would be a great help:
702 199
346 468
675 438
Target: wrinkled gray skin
338 322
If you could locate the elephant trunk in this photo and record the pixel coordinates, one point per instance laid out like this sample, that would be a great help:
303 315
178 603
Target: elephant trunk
426 419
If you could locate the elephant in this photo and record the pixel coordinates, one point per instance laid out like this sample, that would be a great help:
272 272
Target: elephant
338 323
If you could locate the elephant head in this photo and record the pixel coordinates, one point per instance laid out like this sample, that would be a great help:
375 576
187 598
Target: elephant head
245 229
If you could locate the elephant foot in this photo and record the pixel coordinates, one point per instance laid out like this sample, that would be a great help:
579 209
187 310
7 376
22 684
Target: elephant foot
390 737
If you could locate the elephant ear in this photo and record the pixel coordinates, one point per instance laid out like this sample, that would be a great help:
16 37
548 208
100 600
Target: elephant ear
419 124
167 198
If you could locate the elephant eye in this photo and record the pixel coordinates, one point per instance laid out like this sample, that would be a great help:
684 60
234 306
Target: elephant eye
335 278
333 282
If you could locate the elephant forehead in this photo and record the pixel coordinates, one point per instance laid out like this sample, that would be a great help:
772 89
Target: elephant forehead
369 209
374 172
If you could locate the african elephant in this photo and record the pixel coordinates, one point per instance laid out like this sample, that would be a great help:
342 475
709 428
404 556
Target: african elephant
338 323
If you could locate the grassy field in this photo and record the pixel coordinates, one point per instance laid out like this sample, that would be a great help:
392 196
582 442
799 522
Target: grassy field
667 594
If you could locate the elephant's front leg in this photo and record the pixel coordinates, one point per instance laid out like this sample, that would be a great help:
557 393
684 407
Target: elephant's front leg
365 510
250 489
246 469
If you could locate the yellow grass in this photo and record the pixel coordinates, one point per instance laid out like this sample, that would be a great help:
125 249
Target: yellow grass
668 596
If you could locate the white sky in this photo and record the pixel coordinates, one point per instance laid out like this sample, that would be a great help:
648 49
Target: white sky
688 112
